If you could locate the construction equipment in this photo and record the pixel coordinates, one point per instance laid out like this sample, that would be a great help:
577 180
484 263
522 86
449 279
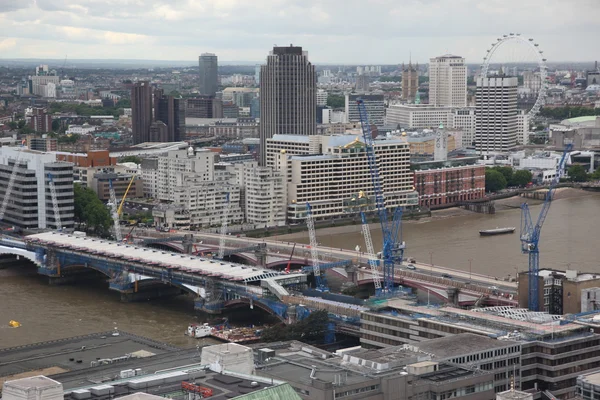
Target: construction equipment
314 254
9 186
530 234
125 195
224 223
115 212
289 265
393 246
55 207
372 257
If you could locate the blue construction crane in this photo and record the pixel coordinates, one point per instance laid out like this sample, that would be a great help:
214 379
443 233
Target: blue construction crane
530 234
393 246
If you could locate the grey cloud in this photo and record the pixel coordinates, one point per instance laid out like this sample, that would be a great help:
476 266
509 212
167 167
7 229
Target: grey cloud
13 5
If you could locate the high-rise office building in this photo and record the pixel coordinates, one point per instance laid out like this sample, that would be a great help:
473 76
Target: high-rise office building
374 104
496 114
141 111
204 107
448 81
288 95
208 74
410 81
171 112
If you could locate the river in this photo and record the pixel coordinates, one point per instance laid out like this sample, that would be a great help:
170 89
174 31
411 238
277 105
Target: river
569 240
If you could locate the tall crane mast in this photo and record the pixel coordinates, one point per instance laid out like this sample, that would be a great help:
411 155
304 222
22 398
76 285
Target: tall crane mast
372 259
224 223
9 186
393 246
55 207
314 253
115 212
530 234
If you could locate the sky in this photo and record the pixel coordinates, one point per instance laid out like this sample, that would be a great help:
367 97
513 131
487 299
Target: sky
332 31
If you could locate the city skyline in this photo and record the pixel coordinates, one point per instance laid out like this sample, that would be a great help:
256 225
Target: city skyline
40 29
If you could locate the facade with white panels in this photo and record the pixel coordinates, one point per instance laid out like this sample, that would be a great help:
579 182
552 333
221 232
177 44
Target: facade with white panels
178 164
374 104
523 127
448 81
496 114
265 195
321 97
329 177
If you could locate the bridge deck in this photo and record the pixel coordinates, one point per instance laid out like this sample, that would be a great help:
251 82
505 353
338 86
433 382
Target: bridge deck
203 266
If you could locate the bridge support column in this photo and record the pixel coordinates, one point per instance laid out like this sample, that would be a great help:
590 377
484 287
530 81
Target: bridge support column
261 257
188 243
452 295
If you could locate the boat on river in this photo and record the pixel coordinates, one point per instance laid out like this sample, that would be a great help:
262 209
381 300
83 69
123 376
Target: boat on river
497 231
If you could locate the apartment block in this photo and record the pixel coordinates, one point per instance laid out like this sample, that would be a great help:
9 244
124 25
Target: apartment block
448 81
101 183
30 205
265 195
179 164
150 177
329 170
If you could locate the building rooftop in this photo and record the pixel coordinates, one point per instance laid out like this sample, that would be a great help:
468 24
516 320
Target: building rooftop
580 120
592 378
141 396
292 138
461 344
37 382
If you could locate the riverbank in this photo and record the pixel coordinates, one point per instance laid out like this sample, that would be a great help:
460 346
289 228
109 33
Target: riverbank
508 203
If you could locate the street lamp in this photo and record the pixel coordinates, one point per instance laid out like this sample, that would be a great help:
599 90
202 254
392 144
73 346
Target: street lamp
431 261
470 261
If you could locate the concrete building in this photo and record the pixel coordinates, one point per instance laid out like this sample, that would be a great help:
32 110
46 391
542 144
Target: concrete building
363 83
522 127
204 107
374 105
30 203
464 119
551 355
327 171
410 81
40 121
209 74
265 195
228 356
238 128
32 388
561 292
288 96
170 111
179 164
496 114
43 143
159 132
44 82
395 373
582 132
150 177
321 97
84 129
101 185
532 81
588 386
448 81
141 111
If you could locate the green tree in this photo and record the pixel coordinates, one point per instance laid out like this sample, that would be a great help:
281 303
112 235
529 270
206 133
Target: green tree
494 180
13 125
521 178
506 171
91 211
595 175
311 329
21 124
336 101
55 125
133 159
577 173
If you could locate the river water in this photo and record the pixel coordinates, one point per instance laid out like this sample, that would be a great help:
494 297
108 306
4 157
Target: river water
570 239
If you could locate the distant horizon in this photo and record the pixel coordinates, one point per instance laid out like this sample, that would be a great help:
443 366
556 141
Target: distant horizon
191 63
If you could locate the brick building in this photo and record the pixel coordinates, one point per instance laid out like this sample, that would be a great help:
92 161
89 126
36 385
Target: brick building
95 158
440 183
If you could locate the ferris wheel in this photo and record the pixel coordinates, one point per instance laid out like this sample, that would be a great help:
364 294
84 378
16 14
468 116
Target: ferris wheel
536 55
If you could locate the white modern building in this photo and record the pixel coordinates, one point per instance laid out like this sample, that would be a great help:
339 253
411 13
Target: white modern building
265 195
496 114
448 81
374 104
29 204
321 97
179 164
44 85
522 127
424 116
532 81
328 171
84 129
333 116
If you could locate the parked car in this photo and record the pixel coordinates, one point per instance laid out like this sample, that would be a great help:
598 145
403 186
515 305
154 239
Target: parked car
410 266
447 276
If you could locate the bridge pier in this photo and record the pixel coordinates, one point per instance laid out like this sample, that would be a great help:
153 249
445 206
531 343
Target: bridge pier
452 295
188 243
261 257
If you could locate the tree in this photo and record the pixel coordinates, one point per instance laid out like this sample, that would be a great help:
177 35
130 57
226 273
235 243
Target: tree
310 329
90 210
596 175
133 159
13 125
494 180
507 172
577 173
336 101
521 178
55 125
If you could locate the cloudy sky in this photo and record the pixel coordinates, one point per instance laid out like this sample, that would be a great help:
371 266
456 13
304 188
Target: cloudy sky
333 31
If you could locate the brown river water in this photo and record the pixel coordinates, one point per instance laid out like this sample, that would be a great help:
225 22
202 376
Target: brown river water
570 239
